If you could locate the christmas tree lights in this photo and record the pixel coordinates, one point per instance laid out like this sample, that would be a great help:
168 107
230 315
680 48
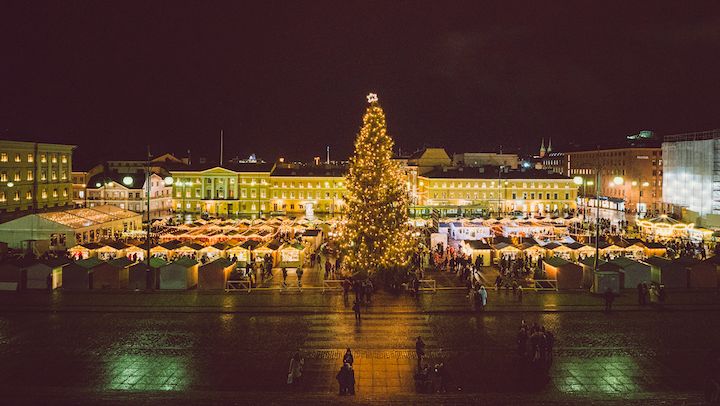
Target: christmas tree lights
376 235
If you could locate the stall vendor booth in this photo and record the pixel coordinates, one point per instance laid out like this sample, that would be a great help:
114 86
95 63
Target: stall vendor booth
210 253
312 239
635 251
506 251
561 251
584 251
79 274
214 275
633 272
704 274
84 251
606 277
106 253
45 274
566 274
610 251
11 276
240 253
179 275
666 272
141 279
188 250
135 253
112 274
292 255
588 266
264 250
478 249
533 251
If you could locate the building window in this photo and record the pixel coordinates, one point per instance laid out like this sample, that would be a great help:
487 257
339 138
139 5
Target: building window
29 175
43 158
3 176
2 197
63 175
17 196
63 159
44 194
28 195
31 158
17 157
3 157
54 158
65 192
16 177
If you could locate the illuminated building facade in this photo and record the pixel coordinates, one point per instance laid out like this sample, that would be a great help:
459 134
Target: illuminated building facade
692 174
34 176
128 191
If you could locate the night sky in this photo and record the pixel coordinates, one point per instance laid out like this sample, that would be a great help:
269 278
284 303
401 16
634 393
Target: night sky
288 78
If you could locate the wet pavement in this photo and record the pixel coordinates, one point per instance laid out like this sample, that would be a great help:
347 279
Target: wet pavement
191 347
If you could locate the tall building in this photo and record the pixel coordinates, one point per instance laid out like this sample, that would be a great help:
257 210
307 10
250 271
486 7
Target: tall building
641 169
34 176
692 175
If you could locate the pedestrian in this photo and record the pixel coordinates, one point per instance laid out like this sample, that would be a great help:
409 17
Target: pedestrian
641 294
348 357
346 290
356 309
368 291
522 338
327 268
299 274
295 371
609 297
483 297
661 295
419 351
442 374
284 275
520 293
342 378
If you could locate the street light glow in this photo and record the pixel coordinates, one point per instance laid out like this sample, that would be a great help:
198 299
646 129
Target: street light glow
128 180
578 180
169 180
618 180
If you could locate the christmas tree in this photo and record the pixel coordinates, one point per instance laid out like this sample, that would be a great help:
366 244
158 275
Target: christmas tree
376 236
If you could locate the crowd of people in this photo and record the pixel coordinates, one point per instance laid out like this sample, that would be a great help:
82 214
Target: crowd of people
535 344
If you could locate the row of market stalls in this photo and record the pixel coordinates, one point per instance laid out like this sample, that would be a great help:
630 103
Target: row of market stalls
625 273
282 254
208 232
502 248
478 228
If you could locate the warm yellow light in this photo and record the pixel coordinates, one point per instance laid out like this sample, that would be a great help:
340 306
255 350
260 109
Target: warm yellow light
578 180
618 180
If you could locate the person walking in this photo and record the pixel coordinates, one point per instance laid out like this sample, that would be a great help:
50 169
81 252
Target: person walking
299 272
356 309
483 297
348 357
520 293
419 351
284 275
641 294
609 297
295 371
522 338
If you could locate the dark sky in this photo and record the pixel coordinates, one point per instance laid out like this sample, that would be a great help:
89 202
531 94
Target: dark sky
287 78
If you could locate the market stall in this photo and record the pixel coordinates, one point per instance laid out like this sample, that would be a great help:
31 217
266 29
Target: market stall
292 255
182 274
533 251
503 250
312 239
654 249
704 274
10 276
263 250
45 274
607 277
214 275
666 272
210 253
566 274
79 274
561 251
188 250
112 274
135 253
633 272
140 278
635 251
477 248
84 251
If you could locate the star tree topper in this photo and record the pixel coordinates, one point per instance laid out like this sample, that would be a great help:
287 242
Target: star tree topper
372 97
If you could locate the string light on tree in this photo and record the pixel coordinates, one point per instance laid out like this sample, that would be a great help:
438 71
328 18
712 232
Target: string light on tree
376 236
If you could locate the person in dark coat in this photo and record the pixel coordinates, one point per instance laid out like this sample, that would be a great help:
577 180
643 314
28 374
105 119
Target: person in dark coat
419 351
348 357
609 297
356 309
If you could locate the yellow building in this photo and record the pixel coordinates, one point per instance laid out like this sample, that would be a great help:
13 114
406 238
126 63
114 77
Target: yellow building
479 190
297 189
34 176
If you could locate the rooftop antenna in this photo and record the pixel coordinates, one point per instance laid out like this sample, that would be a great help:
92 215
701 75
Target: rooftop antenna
328 155
221 146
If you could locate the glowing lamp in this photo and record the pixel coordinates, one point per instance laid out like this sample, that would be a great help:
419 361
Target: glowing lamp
127 181
578 180
646 184
98 184
618 180
10 184
169 180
